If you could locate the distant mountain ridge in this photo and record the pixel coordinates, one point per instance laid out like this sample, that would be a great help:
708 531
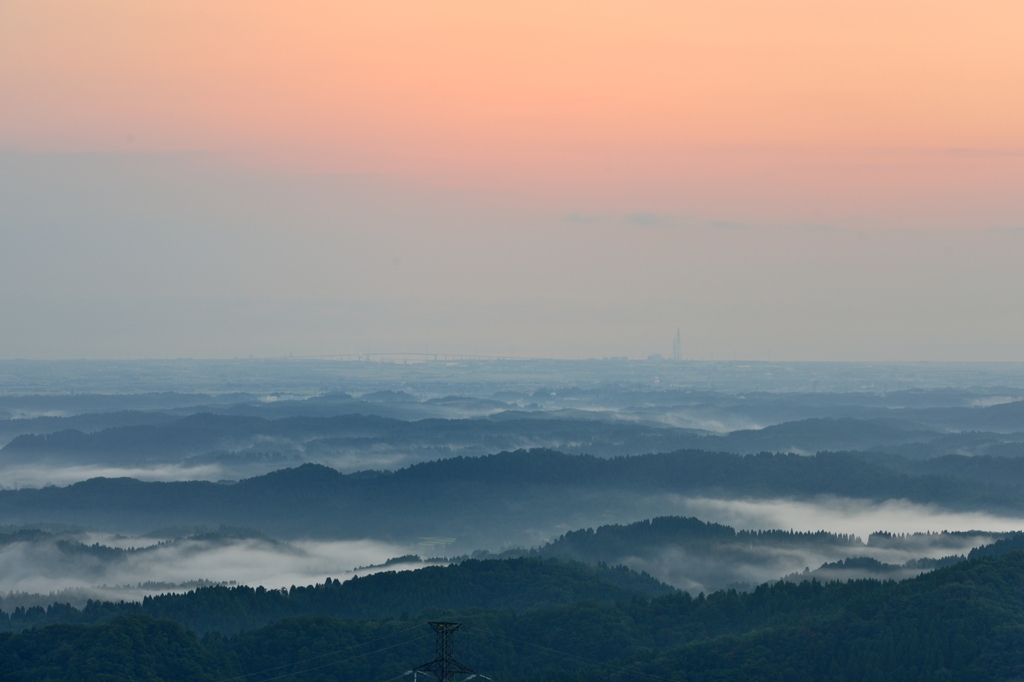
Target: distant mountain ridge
494 496
141 438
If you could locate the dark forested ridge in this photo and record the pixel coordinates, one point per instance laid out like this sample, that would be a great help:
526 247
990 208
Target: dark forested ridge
963 622
498 494
702 556
610 543
518 584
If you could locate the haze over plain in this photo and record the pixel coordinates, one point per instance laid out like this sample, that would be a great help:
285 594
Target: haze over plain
784 181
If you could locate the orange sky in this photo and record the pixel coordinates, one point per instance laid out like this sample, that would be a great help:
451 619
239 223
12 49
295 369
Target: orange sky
571 179
800 110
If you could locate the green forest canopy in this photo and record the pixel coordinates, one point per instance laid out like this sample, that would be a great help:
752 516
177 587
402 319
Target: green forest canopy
962 622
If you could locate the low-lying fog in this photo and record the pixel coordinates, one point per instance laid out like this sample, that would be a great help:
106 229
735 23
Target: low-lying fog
745 569
35 476
839 515
45 567
17 476
13 476
76 566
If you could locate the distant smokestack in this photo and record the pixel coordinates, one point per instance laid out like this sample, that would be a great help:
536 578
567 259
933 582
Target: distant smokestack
677 347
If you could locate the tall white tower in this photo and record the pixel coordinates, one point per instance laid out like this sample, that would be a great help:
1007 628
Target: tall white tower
677 347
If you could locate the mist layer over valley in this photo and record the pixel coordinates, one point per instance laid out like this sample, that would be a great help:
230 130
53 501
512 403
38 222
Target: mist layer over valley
39 567
354 416
306 495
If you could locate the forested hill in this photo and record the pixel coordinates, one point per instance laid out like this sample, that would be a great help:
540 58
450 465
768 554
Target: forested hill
517 584
637 538
964 622
701 556
607 542
685 552
497 496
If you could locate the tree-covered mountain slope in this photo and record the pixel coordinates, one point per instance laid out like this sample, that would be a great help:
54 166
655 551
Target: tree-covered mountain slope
963 622
517 584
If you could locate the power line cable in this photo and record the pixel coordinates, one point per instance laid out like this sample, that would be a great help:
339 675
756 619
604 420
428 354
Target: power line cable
319 656
407 672
344 660
473 630
332 653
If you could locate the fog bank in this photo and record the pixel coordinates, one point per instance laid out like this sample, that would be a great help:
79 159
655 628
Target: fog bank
841 515
44 567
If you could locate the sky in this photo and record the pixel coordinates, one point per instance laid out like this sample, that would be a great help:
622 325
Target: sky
786 180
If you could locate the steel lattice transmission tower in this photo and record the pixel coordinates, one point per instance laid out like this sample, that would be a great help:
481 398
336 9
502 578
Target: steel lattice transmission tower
444 667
